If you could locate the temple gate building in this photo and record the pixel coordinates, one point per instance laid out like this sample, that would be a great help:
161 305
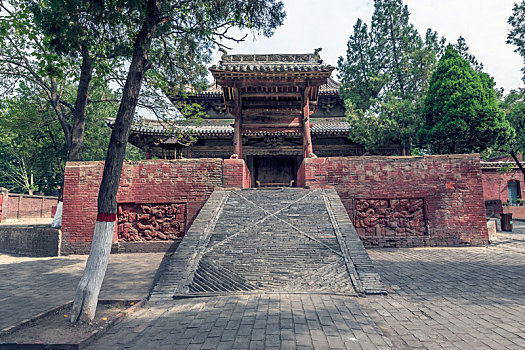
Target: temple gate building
271 110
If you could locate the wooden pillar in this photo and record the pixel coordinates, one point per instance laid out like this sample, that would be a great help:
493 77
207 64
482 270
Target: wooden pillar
237 126
307 138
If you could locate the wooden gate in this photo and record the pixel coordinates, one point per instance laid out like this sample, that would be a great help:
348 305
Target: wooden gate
275 171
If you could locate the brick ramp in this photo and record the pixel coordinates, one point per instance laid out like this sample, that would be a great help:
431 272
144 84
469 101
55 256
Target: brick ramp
275 240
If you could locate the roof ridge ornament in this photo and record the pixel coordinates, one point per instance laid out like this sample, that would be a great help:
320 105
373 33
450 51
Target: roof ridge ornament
317 55
224 53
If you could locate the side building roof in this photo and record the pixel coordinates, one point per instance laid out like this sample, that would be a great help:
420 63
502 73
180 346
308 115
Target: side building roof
206 129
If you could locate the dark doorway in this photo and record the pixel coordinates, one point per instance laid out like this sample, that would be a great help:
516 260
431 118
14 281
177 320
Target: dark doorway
274 171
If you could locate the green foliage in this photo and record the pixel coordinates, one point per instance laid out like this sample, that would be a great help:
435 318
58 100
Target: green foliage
104 27
183 45
30 136
461 112
463 50
24 51
32 144
514 106
516 34
385 76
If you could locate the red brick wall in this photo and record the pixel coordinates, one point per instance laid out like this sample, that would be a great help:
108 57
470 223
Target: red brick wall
189 181
236 173
518 212
450 187
495 184
23 207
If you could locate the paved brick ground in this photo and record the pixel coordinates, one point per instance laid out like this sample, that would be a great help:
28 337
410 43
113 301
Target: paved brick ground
256 321
29 286
512 241
463 298
453 298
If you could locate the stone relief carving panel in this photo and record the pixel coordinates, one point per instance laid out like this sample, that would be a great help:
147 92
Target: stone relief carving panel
151 222
391 217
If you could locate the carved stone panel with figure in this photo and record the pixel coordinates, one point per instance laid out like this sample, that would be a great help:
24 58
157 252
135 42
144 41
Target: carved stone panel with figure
390 217
151 222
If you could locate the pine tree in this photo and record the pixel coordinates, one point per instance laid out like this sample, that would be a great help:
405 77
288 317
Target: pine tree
461 112
463 50
385 77
362 80
162 30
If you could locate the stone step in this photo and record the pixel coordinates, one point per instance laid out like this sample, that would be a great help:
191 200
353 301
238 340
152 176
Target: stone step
290 240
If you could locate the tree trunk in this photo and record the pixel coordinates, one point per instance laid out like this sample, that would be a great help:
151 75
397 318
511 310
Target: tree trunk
86 297
518 163
76 146
55 102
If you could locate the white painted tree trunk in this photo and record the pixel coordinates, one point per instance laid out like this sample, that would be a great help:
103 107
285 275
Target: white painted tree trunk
57 219
86 297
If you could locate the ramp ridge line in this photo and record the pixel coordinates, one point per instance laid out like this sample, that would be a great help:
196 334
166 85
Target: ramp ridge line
370 279
354 277
194 261
174 273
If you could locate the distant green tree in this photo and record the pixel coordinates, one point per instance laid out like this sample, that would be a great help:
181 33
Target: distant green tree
33 145
516 34
514 106
463 50
461 112
385 77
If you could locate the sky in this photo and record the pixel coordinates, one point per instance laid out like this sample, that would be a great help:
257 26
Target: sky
311 24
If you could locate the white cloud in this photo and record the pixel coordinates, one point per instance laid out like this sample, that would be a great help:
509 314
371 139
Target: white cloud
328 24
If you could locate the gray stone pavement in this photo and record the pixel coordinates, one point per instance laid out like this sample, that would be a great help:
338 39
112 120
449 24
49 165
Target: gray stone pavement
29 286
248 321
457 298
454 298
512 241
439 298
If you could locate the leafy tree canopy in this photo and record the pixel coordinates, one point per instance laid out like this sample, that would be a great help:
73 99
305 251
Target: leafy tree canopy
461 111
516 34
32 143
385 76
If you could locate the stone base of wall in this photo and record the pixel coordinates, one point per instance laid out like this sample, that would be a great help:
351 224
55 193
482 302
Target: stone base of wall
145 247
30 240
417 241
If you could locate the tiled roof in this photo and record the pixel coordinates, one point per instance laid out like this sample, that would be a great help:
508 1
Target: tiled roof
325 128
272 63
331 87
497 165
152 127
